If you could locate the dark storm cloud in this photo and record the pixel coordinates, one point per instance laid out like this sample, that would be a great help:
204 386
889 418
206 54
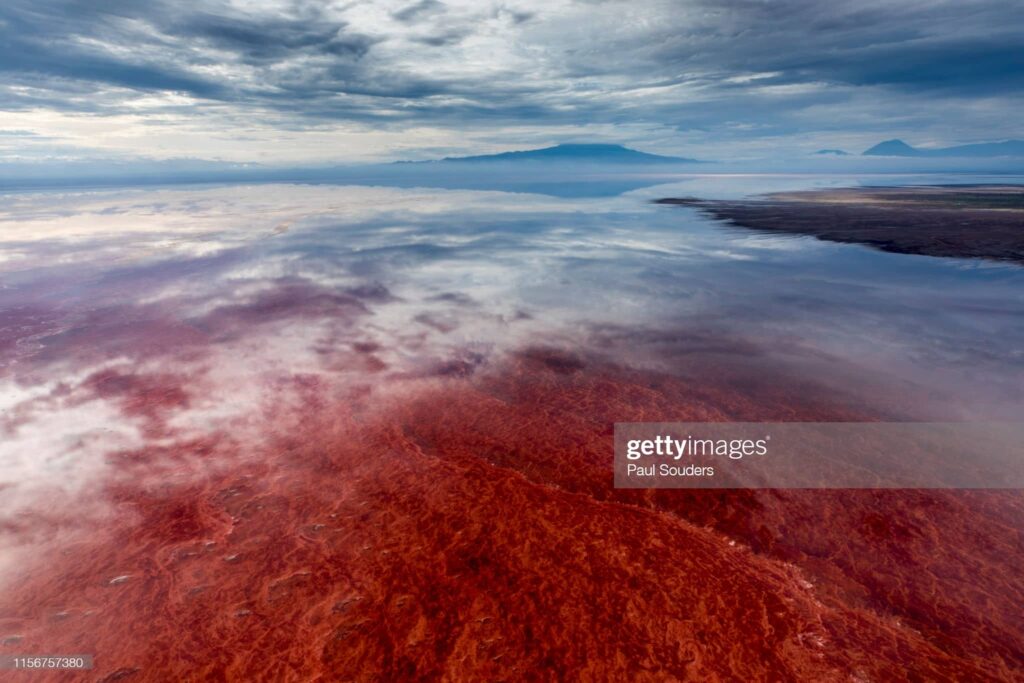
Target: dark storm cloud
40 42
256 41
154 47
968 66
956 47
17 58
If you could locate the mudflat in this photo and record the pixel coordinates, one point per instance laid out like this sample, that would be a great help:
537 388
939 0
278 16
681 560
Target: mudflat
978 221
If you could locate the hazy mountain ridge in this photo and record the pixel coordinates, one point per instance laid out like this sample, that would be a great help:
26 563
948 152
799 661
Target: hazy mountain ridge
898 148
576 153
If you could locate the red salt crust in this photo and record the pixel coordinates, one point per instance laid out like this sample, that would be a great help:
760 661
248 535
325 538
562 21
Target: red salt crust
469 531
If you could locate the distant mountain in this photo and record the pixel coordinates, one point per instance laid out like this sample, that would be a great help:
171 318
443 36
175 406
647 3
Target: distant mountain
834 152
893 148
898 148
578 153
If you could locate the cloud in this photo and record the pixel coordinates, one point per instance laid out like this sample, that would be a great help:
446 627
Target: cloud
258 41
727 71
416 9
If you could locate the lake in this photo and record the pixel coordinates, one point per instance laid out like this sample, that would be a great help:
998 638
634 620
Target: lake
265 407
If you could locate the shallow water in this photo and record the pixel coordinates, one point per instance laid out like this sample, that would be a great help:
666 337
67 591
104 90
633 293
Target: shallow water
435 273
162 341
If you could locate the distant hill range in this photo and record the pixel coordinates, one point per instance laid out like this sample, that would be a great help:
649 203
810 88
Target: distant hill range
576 153
898 148
833 152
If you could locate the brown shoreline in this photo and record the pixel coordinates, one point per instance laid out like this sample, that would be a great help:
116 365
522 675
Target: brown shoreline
985 222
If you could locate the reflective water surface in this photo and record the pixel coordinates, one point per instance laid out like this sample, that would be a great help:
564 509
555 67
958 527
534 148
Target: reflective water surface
248 412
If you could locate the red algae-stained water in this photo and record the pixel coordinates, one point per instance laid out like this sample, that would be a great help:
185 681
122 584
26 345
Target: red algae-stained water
296 433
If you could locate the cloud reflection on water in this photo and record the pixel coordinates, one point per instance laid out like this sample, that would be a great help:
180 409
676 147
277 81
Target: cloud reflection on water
134 317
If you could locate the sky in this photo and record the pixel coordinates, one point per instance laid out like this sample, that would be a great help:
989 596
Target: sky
304 83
